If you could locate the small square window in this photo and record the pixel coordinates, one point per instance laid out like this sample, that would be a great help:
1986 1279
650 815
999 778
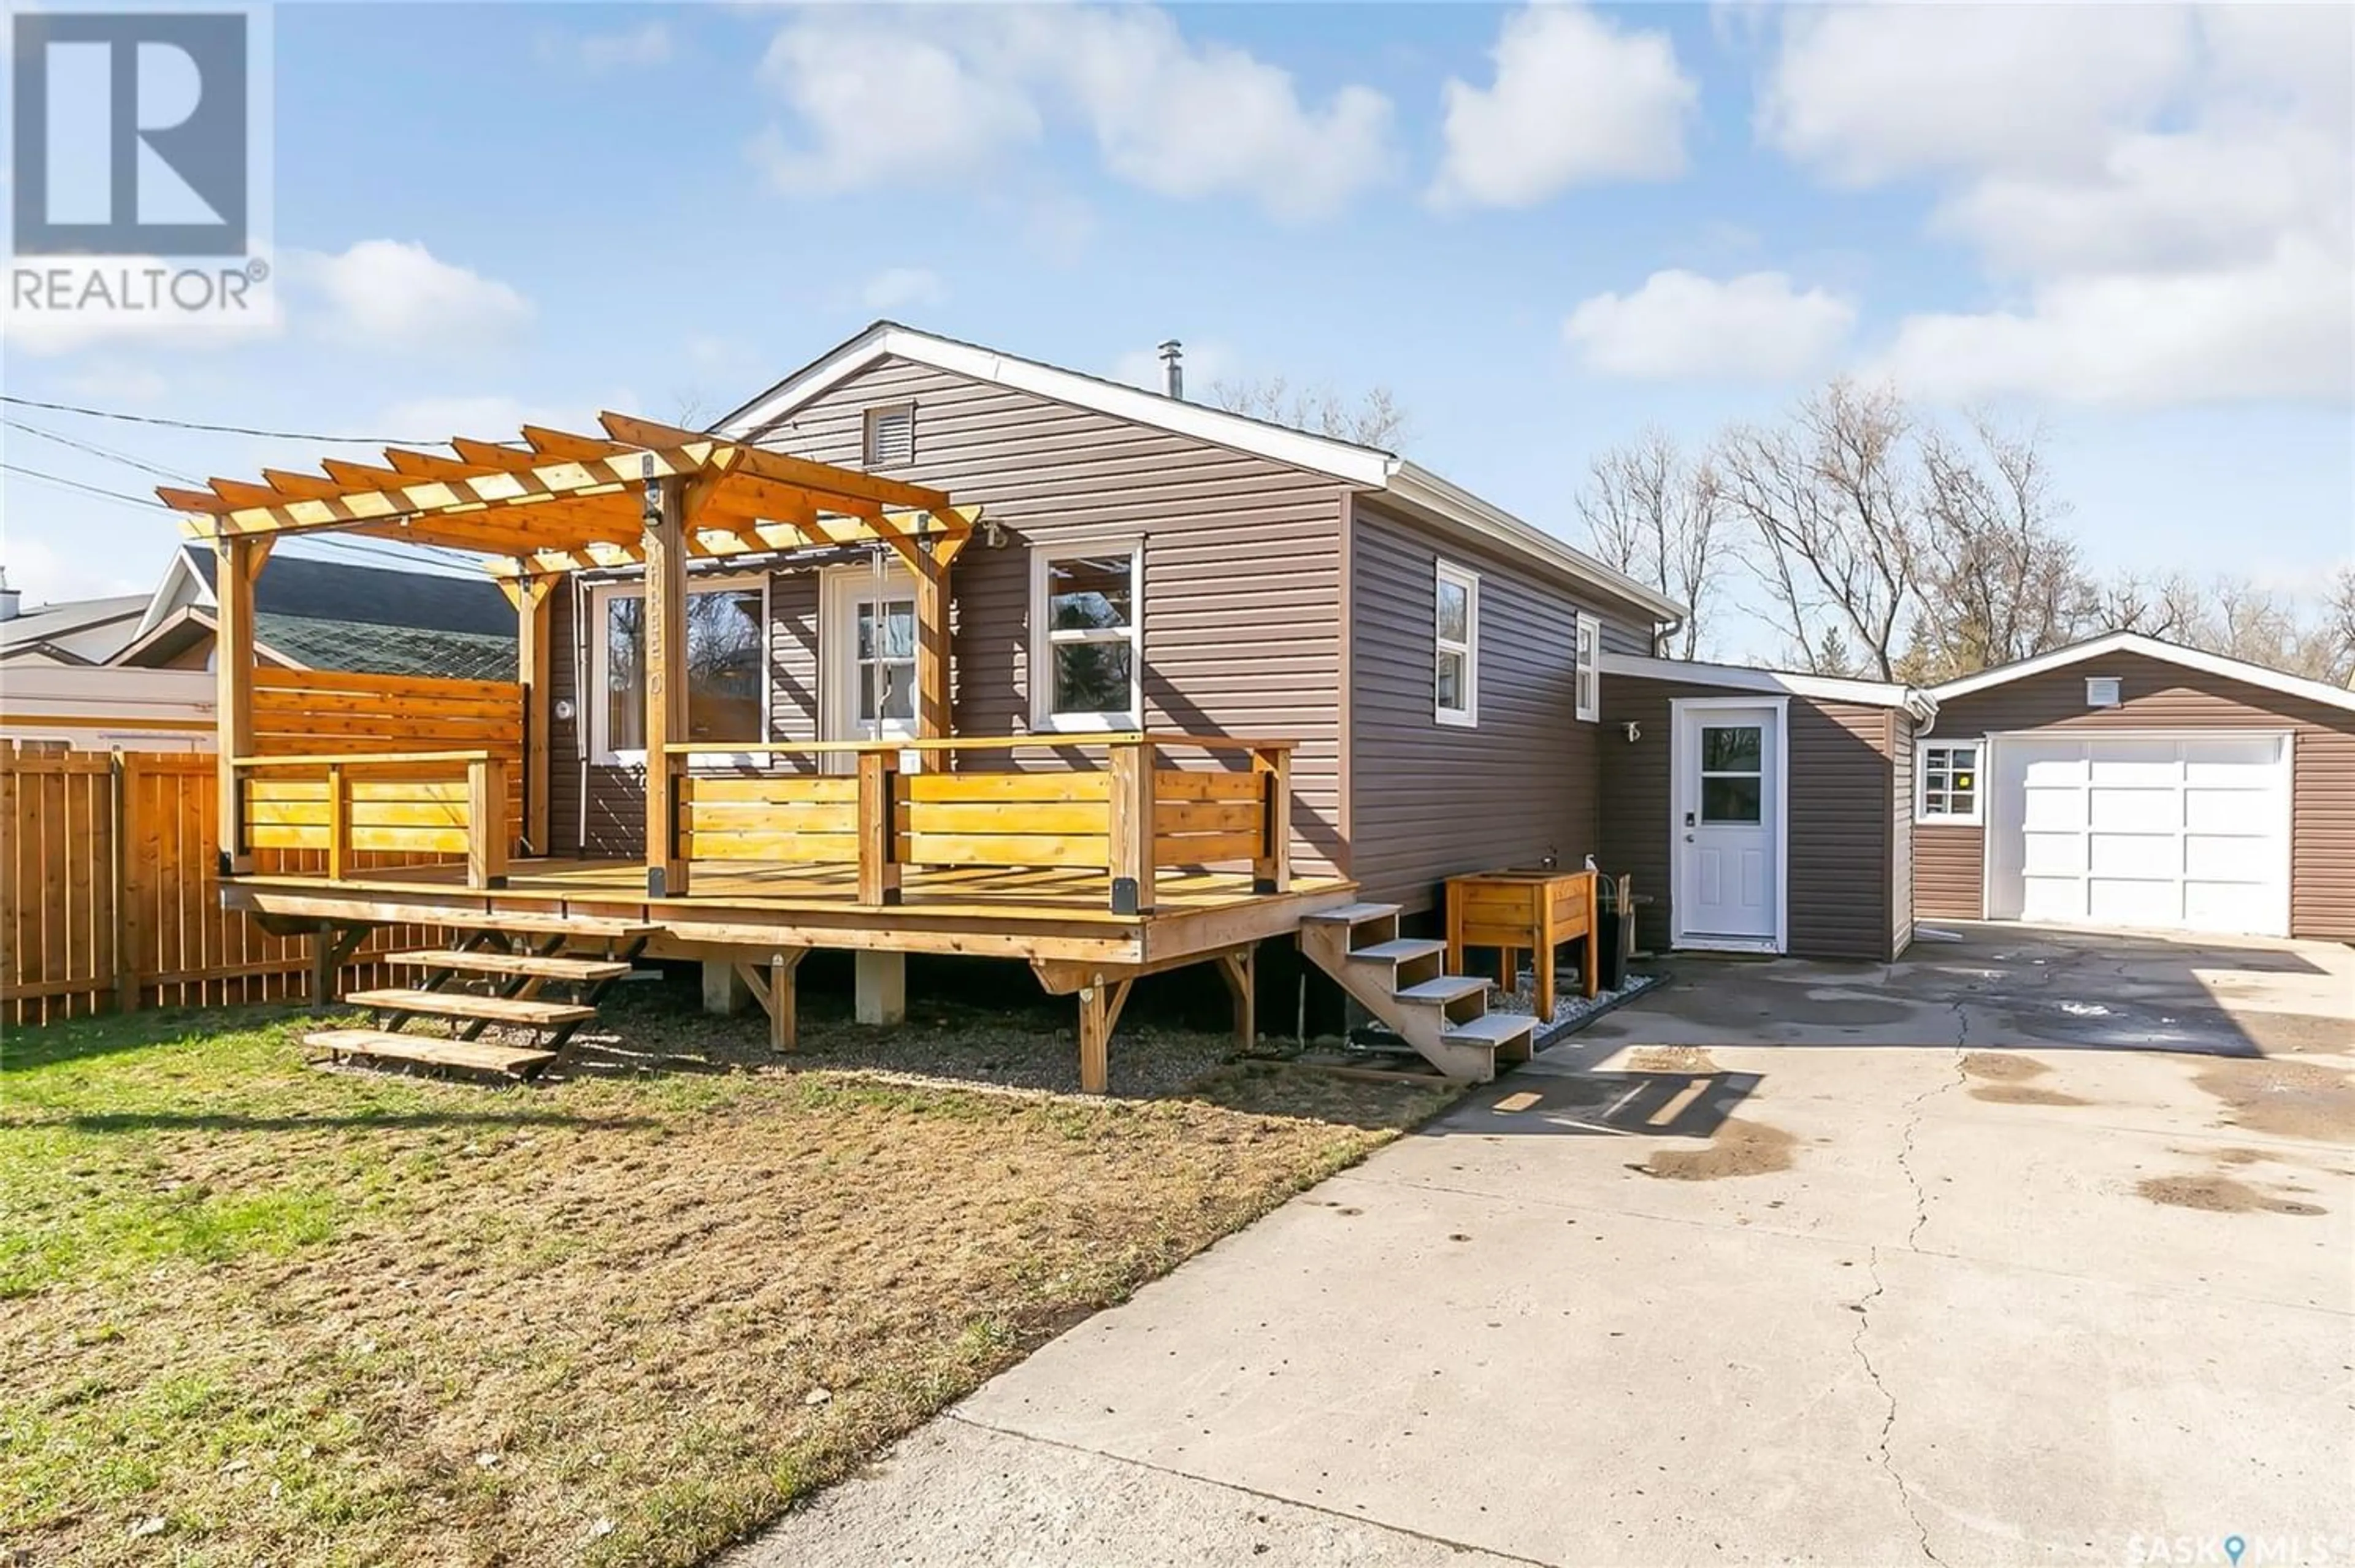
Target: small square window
1948 787
890 435
2101 691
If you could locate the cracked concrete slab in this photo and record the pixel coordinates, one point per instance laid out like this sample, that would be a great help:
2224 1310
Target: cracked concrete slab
1939 1325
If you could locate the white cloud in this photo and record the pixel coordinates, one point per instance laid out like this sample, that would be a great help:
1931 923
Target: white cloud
881 106
48 575
598 53
2162 194
2281 327
393 294
1575 100
1680 325
935 96
1867 93
118 383
895 288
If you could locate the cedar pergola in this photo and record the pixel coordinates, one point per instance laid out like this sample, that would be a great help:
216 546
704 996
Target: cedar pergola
643 494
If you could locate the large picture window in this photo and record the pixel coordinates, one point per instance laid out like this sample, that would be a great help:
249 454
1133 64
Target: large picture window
727 659
1950 786
1455 634
1086 644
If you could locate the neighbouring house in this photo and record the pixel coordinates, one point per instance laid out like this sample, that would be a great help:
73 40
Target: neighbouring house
2128 782
72 634
331 614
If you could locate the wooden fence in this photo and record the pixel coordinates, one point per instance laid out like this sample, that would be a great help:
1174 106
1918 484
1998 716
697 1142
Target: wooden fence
109 901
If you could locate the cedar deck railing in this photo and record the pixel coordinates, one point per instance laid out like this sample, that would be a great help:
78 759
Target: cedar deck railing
1129 820
408 803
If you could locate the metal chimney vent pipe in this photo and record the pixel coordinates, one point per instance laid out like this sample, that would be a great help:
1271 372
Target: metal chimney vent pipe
1173 372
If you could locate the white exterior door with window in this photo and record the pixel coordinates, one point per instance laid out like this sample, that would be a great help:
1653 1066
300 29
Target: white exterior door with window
867 658
1726 824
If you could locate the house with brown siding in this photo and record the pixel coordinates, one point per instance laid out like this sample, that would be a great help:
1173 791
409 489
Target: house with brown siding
2129 782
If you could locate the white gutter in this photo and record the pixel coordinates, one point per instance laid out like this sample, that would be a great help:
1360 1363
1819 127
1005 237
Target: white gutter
1419 487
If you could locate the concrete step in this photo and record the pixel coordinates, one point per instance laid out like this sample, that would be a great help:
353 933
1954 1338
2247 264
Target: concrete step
581 969
479 1056
516 1010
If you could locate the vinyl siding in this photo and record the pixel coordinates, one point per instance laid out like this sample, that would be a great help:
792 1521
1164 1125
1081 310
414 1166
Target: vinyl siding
1947 880
2156 694
1842 827
1242 586
1429 800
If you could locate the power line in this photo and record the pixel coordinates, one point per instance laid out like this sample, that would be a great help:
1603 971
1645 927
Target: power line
108 453
147 503
217 429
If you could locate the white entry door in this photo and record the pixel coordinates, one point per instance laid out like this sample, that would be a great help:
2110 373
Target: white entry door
1727 795
2187 832
867 658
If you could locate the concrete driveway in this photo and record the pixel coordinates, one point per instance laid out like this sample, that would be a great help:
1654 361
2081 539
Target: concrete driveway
2030 1248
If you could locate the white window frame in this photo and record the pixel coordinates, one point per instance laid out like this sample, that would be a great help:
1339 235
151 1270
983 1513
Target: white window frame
1586 654
1044 639
1468 715
1977 815
600 597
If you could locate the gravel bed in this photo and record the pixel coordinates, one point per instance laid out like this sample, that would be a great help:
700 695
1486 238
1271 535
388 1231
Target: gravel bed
1572 1006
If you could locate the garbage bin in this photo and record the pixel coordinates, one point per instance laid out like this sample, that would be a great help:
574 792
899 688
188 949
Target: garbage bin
1610 946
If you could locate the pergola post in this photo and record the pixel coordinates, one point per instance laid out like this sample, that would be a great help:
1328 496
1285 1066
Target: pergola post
237 562
931 574
531 597
665 546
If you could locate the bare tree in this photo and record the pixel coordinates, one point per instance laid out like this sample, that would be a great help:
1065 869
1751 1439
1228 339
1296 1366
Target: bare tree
2339 626
1374 419
1999 580
1652 513
1833 509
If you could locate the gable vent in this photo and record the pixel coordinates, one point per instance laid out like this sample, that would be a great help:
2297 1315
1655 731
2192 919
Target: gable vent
890 435
2101 691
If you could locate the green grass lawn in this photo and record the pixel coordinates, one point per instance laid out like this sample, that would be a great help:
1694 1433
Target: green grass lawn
251 1311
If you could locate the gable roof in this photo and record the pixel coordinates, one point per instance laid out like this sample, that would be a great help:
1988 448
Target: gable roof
2149 647
1416 488
313 589
306 642
42 627
1922 704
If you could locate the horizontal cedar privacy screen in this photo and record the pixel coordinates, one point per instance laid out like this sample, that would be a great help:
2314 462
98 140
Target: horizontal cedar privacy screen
108 896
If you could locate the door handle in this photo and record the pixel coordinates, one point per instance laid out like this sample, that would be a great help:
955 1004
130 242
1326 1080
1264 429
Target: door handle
1688 838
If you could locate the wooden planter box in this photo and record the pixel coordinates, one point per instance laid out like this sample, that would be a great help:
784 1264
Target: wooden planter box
1512 910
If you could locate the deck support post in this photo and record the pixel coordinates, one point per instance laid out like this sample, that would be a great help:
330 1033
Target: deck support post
1240 970
878 836
237 563
725 994
882 988
668 502
1132 828
775 993
1100 1005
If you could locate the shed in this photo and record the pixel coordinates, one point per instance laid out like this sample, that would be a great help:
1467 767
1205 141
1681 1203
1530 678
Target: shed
1764 811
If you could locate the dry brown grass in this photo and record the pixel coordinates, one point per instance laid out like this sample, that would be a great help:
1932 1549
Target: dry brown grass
254 1312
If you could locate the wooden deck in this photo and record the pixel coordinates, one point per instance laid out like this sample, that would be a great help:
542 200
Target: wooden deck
743 909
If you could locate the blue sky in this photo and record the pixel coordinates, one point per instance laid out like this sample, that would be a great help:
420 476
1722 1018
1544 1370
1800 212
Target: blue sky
1543 228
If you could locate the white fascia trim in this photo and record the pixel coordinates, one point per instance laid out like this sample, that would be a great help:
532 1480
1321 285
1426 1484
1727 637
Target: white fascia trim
1420 488
1923 704
1298 449
1359 465
162 603
2150 647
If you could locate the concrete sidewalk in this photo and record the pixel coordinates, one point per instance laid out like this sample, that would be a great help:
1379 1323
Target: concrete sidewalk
1673 1296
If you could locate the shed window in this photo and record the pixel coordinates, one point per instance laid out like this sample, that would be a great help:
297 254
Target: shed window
1456 633
890 435
726 657
1086 638
1950 788
1590 667
2101 691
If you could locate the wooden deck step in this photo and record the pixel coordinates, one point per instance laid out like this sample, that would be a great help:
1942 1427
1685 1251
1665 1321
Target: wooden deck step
517 1010
582 969
1489 1028
1357 913
555 924
1399 952
479 1056
1446 988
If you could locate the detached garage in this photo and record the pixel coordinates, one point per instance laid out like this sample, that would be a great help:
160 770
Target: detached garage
2126 782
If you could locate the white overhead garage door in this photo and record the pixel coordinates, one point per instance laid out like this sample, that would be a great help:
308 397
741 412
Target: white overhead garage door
2188 832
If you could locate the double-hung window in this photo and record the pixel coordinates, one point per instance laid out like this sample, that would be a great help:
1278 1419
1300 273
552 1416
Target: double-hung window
1949 789
1455 635
1589 653
726 660
1087 653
